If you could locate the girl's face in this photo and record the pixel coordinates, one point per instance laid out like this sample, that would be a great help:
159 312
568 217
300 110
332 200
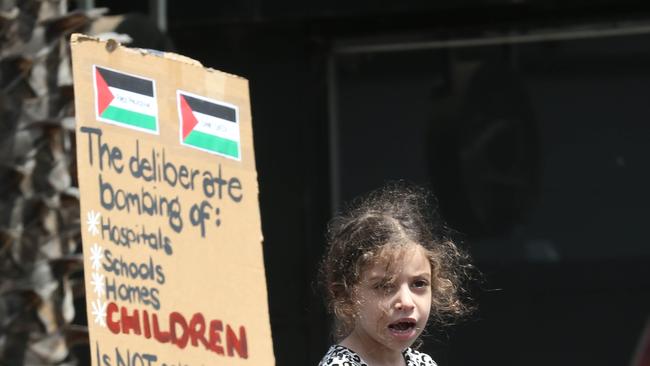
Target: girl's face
394 300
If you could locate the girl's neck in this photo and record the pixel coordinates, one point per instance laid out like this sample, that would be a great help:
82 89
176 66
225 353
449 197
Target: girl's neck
372 352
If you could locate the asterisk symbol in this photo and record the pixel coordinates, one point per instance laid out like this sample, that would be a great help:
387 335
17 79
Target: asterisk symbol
98 283
99 312
92 220
96 254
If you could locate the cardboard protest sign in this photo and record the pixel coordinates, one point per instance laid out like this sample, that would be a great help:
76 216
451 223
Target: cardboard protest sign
170 218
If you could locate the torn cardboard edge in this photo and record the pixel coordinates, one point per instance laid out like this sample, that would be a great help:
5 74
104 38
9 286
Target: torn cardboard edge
112 45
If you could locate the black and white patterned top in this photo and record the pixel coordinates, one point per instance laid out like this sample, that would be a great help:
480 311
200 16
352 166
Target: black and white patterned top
338 355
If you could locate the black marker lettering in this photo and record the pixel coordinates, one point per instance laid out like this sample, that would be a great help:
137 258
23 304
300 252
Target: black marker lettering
113 155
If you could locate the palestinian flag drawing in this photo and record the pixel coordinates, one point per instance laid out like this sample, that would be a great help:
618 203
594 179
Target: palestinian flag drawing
125 100
209 125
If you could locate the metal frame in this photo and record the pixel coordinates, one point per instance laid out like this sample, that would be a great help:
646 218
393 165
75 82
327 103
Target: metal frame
375 45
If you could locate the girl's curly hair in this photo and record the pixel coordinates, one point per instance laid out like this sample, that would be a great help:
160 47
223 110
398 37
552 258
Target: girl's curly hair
396 214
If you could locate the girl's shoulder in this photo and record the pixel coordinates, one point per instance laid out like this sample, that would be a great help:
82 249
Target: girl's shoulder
416 358
338 355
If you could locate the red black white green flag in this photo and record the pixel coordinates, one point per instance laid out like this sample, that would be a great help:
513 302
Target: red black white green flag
126 100
209 125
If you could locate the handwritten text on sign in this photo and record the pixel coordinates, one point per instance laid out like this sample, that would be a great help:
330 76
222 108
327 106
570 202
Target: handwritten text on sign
153 166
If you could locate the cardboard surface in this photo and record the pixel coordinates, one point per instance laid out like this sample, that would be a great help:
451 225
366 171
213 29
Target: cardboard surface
170 217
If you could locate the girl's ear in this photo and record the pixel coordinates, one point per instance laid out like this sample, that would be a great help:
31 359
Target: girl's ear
343 300
339 291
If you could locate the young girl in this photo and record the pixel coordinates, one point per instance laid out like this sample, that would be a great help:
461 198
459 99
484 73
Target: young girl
389 268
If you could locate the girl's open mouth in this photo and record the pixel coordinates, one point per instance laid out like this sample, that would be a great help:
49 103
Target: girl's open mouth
403 328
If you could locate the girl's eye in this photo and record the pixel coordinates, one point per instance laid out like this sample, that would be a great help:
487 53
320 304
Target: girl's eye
420 283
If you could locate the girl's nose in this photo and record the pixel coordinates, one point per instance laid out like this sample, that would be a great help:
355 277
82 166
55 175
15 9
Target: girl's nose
404 300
